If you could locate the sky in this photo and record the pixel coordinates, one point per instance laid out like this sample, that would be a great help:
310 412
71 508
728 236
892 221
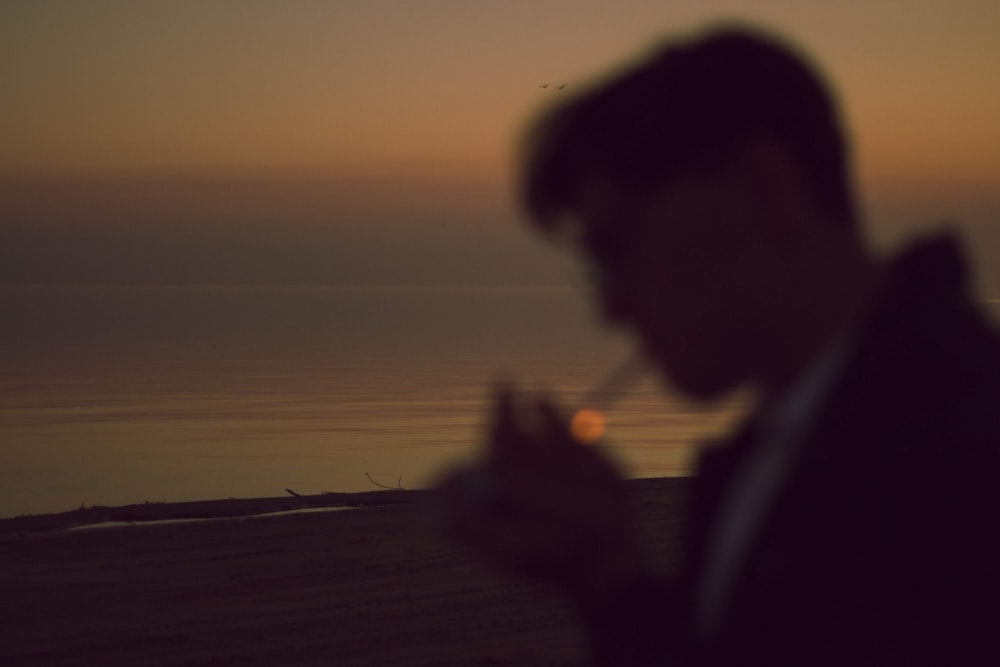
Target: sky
365 141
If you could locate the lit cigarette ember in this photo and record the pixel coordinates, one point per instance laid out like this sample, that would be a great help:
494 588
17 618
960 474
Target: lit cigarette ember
588 424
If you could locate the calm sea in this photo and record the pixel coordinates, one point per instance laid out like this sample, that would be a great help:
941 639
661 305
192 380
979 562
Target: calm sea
116 395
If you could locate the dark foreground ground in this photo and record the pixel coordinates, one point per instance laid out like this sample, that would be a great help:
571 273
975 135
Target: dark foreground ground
377 585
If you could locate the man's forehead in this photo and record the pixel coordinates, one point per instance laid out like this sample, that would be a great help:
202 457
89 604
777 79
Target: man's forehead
605 215
596 193
601 205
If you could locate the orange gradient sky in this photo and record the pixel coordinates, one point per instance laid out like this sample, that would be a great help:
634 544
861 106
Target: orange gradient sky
408 96
359 83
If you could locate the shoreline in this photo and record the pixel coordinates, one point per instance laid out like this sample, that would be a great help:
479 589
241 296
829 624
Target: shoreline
195 510
236 508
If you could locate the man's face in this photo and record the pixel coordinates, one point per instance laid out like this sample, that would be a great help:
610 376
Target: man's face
684 269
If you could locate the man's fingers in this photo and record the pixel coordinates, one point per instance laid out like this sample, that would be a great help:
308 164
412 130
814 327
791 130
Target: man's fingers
554 423
503 408
514 439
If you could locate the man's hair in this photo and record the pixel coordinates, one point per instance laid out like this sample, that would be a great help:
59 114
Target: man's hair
687 108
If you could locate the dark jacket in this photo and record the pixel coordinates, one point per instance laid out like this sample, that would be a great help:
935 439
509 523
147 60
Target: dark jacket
881 545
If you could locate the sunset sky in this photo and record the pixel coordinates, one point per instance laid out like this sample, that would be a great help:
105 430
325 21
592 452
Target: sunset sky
371 140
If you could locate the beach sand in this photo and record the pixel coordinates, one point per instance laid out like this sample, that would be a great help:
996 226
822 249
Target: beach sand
376 585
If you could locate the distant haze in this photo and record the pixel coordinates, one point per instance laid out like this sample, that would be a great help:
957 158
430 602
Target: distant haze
372 142
268 231
371 231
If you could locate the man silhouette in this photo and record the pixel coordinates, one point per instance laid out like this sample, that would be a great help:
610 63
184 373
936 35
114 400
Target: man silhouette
850 519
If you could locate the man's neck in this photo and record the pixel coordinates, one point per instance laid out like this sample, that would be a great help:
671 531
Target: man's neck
830 307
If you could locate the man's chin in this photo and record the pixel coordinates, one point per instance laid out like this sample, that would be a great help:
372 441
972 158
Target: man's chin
695 381
698 384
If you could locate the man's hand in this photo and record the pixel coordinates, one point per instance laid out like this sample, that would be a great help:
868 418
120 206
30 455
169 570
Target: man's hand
543 505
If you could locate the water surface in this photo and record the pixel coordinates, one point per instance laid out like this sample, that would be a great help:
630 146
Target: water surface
122 394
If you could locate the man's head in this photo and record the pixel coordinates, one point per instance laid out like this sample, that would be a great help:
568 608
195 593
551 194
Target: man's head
703 184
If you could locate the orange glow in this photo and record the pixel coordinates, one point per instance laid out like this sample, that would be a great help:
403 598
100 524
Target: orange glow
587 426
151 86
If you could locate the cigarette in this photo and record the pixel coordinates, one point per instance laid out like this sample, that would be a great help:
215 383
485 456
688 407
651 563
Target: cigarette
614 386
587 425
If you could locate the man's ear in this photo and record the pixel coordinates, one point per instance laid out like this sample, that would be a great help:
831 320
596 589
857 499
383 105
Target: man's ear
774 187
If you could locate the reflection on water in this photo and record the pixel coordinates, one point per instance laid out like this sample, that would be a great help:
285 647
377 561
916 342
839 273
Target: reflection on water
116 395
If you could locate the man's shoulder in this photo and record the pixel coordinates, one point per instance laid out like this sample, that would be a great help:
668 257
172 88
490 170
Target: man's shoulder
927 334
924 371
